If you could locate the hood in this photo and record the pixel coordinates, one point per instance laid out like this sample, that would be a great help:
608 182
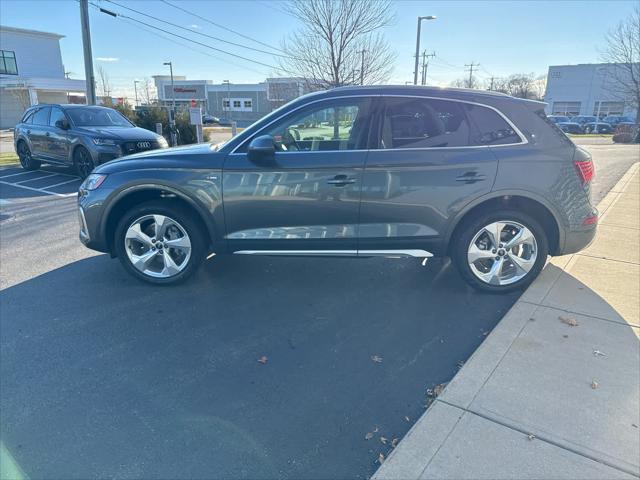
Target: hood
120 133
179 157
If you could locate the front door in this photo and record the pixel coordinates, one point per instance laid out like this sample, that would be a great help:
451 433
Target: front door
434 157
58 139
307 197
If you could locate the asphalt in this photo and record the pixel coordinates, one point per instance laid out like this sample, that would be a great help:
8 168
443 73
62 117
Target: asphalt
103 376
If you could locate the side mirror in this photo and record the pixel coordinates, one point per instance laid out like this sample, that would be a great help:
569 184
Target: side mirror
262 149
62 124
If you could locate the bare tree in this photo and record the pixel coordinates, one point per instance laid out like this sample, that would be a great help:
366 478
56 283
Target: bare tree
104 83
465 82
521 85
145 91
21 95
623 51
339 42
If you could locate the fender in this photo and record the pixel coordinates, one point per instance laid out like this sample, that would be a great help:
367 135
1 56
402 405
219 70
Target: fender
118 195
559 219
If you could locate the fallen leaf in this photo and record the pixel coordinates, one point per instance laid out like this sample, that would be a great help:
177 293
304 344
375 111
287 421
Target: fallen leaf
460 363
594 384
634 425
383 440
484 334
565 336
376 359
531 436
368 436
263 360
407 419
572 322
380 458
598 353
439 389
394 442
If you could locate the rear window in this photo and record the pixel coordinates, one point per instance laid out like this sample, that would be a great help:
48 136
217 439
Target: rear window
41 117
28 116
493 128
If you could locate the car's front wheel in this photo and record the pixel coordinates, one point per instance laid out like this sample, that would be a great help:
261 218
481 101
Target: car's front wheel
83 162
500 252
160 242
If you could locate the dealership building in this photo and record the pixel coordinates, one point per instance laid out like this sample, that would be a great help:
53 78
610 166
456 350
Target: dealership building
242 102
583 89
31 72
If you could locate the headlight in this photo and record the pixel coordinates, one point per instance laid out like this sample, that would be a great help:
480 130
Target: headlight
93 181
103 141
162 142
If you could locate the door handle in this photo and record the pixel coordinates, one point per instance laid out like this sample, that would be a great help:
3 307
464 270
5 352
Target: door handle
470 177
341 181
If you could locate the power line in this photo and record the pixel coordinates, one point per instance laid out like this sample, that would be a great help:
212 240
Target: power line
192 31
204 19
470 70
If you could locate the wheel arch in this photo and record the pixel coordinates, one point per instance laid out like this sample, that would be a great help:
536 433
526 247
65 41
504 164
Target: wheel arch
527 202
130 196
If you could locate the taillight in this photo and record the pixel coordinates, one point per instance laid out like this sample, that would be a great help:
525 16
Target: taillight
585 170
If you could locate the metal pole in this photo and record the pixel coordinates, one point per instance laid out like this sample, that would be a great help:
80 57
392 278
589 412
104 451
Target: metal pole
362 68
172 119
88 56
135 89
415 71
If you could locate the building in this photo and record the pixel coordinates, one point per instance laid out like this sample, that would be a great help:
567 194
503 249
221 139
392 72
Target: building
31 72
243 102
583 89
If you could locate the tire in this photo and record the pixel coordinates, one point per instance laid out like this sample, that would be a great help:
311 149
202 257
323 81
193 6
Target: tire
83 162
530 254
176 223
26 159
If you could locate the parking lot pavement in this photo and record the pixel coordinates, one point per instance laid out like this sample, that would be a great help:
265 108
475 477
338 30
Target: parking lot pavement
49 180
103 376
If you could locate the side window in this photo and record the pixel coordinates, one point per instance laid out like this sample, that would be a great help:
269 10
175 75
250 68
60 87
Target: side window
493 129
56 114
28 117
330 125
424 123
41 117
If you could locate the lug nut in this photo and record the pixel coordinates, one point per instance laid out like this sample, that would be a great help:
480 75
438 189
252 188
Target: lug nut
493 251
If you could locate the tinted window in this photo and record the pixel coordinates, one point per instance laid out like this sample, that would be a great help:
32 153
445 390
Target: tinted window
97 117
41 117
56 114
28 117
8 64
492 128
330 125
424 123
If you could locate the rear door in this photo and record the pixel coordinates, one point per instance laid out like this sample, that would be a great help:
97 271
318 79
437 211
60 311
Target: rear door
58 138
307 198
37 132
431 161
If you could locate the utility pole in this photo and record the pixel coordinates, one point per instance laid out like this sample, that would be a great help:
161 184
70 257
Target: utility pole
88 56
362 52
172 119
471 66
135 89
415 70
491 85
425 64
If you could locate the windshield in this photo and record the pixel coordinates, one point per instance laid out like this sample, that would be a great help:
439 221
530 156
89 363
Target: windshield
97 117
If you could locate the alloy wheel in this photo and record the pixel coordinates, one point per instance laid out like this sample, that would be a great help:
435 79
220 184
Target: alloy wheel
24 154
157 246
84 163
502 252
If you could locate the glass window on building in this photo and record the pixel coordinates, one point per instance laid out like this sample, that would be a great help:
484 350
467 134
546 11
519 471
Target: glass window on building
8 65
567 109
247 104
608 108
237 104
226 104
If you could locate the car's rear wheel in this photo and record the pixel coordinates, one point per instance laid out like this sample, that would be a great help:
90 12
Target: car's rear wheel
83 162
26 159
160 242
500 252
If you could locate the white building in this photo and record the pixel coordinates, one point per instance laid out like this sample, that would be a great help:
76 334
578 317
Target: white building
582 89
31 72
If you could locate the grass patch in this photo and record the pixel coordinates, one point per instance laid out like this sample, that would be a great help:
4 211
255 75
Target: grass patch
8 158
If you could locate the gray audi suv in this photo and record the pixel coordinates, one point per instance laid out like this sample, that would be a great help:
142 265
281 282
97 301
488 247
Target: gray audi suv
78 136
387 171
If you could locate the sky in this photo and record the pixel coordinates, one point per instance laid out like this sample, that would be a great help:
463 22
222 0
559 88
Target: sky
504 37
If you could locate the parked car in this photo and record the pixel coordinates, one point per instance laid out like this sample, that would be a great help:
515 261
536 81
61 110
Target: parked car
614 120
379 171
209 119
558 119
599 127
582 119
80 136
571 127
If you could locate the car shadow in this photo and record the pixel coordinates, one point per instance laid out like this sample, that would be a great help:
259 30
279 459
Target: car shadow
104 376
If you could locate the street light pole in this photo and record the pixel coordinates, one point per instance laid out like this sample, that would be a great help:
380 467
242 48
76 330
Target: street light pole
135 89
88 56
172 120
233 124
415 71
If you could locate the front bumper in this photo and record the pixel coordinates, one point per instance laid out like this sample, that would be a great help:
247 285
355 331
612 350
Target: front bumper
89 218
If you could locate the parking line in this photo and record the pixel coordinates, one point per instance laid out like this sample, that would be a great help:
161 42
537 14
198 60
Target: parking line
41 190
14 174
58 173
34 179
64 183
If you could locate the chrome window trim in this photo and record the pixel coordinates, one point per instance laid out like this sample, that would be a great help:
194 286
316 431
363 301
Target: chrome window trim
523 139
393 253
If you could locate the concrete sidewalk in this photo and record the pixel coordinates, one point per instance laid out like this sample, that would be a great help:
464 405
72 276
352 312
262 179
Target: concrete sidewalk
554 391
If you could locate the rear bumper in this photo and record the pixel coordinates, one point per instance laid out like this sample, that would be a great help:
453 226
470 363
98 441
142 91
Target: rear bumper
576 240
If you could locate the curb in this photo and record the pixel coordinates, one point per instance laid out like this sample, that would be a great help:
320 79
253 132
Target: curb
436 424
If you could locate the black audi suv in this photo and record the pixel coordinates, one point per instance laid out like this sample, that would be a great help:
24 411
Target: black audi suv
390 171
79 136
